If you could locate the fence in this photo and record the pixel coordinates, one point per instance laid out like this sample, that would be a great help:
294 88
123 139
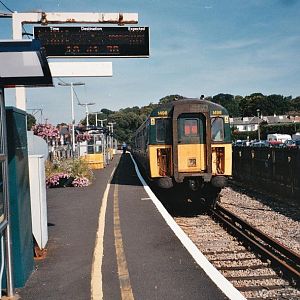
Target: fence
273 169
60 152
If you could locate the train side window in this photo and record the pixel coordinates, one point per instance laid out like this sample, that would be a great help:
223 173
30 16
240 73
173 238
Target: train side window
217 129
162 129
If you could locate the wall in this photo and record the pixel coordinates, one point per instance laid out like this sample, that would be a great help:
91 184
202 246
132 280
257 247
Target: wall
273 169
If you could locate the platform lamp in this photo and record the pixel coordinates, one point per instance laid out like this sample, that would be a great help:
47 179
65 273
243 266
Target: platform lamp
72 84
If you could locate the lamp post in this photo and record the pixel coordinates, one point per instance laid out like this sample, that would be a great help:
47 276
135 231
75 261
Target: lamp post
72 84
87 110
258 128
111 126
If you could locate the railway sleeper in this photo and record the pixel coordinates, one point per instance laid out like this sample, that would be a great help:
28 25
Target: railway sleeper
225 260
226 251
254 267
256 277
260 287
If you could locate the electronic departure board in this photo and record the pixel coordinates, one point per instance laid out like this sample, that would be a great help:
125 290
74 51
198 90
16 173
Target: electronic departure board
94 41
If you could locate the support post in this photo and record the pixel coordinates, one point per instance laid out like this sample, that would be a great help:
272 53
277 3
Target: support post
73 119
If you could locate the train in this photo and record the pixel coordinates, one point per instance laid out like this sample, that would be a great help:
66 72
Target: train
186 142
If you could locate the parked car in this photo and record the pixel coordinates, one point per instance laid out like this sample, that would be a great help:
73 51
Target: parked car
241 143
261 143
290 144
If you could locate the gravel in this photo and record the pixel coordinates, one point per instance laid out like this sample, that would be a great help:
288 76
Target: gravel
278 220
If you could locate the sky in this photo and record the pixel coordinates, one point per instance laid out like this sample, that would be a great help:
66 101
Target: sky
197 47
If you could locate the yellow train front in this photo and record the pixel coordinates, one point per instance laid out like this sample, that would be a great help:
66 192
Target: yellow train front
187 141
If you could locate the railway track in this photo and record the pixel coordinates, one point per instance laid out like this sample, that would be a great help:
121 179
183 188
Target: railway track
279 255
257 265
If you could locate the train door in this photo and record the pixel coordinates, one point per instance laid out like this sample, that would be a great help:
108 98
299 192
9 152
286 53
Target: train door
191 148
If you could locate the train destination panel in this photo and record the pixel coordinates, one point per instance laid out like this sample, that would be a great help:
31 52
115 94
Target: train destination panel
86 41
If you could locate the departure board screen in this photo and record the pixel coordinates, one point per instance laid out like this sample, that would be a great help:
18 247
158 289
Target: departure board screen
94 41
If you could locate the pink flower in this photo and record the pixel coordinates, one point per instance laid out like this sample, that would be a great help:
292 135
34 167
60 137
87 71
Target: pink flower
81 181
46 131
53 180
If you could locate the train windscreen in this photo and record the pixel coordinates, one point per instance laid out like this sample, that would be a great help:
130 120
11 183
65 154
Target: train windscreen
190 129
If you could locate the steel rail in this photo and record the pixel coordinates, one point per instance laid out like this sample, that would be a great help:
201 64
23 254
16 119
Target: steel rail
279 255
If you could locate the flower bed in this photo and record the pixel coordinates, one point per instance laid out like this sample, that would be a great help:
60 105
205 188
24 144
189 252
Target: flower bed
70 172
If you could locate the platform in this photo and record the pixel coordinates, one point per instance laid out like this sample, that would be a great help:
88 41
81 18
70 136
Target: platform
139 255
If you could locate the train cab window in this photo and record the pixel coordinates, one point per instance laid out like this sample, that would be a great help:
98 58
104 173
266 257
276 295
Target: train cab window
217 129
190 130
162 129
191 127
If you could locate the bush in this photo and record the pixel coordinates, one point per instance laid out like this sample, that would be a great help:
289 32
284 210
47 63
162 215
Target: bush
70 172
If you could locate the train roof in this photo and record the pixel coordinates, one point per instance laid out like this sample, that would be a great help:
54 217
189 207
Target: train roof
166 109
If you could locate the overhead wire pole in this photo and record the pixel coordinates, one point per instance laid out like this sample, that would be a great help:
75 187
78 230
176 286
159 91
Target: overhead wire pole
103 140
96 117
101 122
111 124
87 110
35 111
72 84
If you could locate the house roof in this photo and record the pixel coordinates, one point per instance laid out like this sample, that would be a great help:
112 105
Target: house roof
271 120
245 120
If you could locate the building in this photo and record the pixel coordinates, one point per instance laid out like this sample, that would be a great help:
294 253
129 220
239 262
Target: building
245 123
251 123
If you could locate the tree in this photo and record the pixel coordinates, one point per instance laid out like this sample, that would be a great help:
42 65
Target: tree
126 124
294 104
169 98
31 121
268 105
276 104
106 111
250 104
229 102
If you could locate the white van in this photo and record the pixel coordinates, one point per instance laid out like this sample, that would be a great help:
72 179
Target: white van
278 138
296 136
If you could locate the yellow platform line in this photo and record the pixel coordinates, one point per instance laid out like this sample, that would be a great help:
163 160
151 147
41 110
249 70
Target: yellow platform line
96 276
125 286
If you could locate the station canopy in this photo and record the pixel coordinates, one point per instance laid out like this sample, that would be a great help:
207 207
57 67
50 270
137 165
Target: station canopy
23 63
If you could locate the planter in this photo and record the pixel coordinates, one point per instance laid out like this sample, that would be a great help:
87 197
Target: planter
66 182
